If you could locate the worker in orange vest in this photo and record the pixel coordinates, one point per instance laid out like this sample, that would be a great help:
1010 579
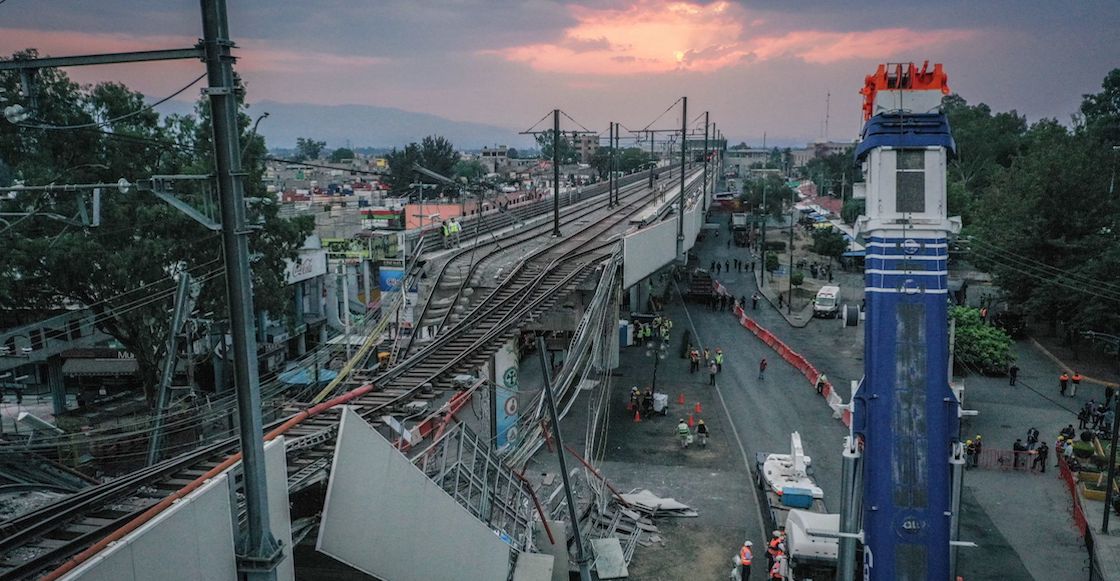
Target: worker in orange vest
744 558
1063 382
1076 383
775 548
776 569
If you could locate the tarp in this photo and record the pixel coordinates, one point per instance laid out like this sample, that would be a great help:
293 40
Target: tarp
304 376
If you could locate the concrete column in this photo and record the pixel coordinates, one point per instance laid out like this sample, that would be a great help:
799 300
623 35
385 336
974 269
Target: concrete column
57 384
366 288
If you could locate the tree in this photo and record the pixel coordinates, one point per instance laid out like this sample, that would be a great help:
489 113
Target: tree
438 155
772 189
341 154
853 209
512 153
985 143
1100 113
308 149
797 278
401 172
471 169
834 174
829 242
771 262
568 152
141 239
978 346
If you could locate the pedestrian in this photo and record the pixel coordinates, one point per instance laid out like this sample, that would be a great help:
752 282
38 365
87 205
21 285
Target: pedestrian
829 275
1076 383
821 380
726 266
683 433
774 548
754 302
712 371
969 454
1041 454
693 361
712 267
1067 431
752 265
762 368
729 243
718 265
1032 437
743 300
1017 449
1083 415
1063 382
702 433
979 443
743 559
778 569
1013 373
707 354
781 301
719 360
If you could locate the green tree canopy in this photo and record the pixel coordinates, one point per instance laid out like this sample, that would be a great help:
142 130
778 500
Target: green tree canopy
48 264
341 154
567 151
829 242
512 153
308 149
471 169
978 346
771 189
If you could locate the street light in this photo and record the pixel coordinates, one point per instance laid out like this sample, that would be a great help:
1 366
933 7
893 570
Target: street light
658 349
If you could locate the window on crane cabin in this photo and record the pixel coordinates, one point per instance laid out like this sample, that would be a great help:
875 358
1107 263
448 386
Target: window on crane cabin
910 181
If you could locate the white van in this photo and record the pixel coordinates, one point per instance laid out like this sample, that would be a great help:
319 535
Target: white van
827 303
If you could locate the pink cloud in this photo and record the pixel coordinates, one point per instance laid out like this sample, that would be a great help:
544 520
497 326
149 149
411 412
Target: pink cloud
660 36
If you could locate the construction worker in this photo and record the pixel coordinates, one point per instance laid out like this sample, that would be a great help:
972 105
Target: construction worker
969 454
707 354
822 379
445 230
744 558
777 570
635 397
713 369
683 433
762 368
719 360
979 443
774 548
1063 382
702 432
693 360
1076 383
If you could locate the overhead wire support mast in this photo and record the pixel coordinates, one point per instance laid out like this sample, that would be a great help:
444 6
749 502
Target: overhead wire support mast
260 553
684 156
556 160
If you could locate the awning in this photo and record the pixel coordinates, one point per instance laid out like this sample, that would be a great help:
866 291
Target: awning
99 367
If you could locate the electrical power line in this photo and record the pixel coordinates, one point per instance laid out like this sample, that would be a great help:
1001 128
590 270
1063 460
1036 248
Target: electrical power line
991 249
99 124
658 118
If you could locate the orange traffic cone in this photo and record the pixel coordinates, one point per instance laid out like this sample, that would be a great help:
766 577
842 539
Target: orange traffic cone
680 399
690 421
637 416
699 409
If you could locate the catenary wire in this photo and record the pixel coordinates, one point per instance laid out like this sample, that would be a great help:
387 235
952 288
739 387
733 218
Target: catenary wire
99 124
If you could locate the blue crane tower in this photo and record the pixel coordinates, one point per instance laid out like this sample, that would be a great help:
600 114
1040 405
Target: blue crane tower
905 416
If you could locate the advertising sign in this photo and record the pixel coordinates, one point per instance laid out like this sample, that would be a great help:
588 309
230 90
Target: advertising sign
505 401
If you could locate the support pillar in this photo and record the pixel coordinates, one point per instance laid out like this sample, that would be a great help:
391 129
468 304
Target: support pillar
366 288
57 384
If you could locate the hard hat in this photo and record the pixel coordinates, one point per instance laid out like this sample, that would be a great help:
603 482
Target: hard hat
701 421
680 421
969 442
747 543
777 533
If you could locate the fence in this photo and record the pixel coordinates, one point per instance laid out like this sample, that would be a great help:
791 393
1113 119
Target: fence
1027 462
1079 520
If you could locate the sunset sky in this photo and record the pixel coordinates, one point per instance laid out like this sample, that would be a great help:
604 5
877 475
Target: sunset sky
762 66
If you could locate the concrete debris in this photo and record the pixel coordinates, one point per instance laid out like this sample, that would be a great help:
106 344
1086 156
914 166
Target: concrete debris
655 506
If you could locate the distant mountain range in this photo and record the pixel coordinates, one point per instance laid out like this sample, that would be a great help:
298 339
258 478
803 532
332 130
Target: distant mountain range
366 126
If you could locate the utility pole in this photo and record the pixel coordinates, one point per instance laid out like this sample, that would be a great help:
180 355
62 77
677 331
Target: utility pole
612 140
163 396
680 204
789 303
556 173
260 552
617 166
582 558
653 167
704 193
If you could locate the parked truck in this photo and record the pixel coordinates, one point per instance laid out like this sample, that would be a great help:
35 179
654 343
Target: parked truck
795 503
740 229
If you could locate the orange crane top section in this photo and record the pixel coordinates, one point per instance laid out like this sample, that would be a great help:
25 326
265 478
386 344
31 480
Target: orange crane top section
902 77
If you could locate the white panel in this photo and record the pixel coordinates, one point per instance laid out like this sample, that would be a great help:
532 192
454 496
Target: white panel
190 541
384 517
647 250
693 221
280 519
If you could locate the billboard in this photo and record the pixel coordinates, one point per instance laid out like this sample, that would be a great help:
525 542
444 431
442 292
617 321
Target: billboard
505 401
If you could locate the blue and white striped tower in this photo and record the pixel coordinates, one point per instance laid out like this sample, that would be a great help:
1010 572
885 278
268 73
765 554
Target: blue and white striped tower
904 412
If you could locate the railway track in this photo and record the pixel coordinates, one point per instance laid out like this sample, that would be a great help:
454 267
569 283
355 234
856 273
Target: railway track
36 541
